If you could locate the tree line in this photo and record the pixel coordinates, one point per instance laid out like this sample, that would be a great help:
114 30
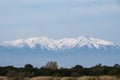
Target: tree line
51 69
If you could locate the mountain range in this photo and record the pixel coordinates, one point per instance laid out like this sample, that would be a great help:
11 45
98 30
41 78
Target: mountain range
68 51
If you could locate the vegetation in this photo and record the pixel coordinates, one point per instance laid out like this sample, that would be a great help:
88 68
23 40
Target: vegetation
51 65
51 69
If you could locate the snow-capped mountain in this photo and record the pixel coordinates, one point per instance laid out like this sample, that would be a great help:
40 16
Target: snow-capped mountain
62 44
67 51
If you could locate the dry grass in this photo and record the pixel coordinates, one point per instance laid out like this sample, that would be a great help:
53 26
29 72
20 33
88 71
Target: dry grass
100 78
108 78
69 78
57 78
3 78
79 78
87 78
53 78
42 78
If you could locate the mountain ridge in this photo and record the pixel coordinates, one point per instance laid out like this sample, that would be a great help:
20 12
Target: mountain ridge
52 44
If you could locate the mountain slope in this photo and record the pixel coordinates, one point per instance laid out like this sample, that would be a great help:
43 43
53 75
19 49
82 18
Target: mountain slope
67 52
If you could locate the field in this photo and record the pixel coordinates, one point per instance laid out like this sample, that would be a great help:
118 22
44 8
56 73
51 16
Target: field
68 78
77 78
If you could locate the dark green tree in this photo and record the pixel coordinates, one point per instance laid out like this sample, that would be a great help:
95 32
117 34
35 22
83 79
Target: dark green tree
28 68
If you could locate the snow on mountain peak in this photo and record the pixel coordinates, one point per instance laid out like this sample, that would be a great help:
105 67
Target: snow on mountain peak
52 44
17 43
98 42
42 41
102 42
66 43
83 41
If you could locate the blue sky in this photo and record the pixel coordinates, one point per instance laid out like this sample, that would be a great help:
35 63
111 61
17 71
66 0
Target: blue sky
60 18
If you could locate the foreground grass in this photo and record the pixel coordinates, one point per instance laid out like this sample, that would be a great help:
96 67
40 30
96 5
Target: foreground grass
67 78
77 78
3 78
